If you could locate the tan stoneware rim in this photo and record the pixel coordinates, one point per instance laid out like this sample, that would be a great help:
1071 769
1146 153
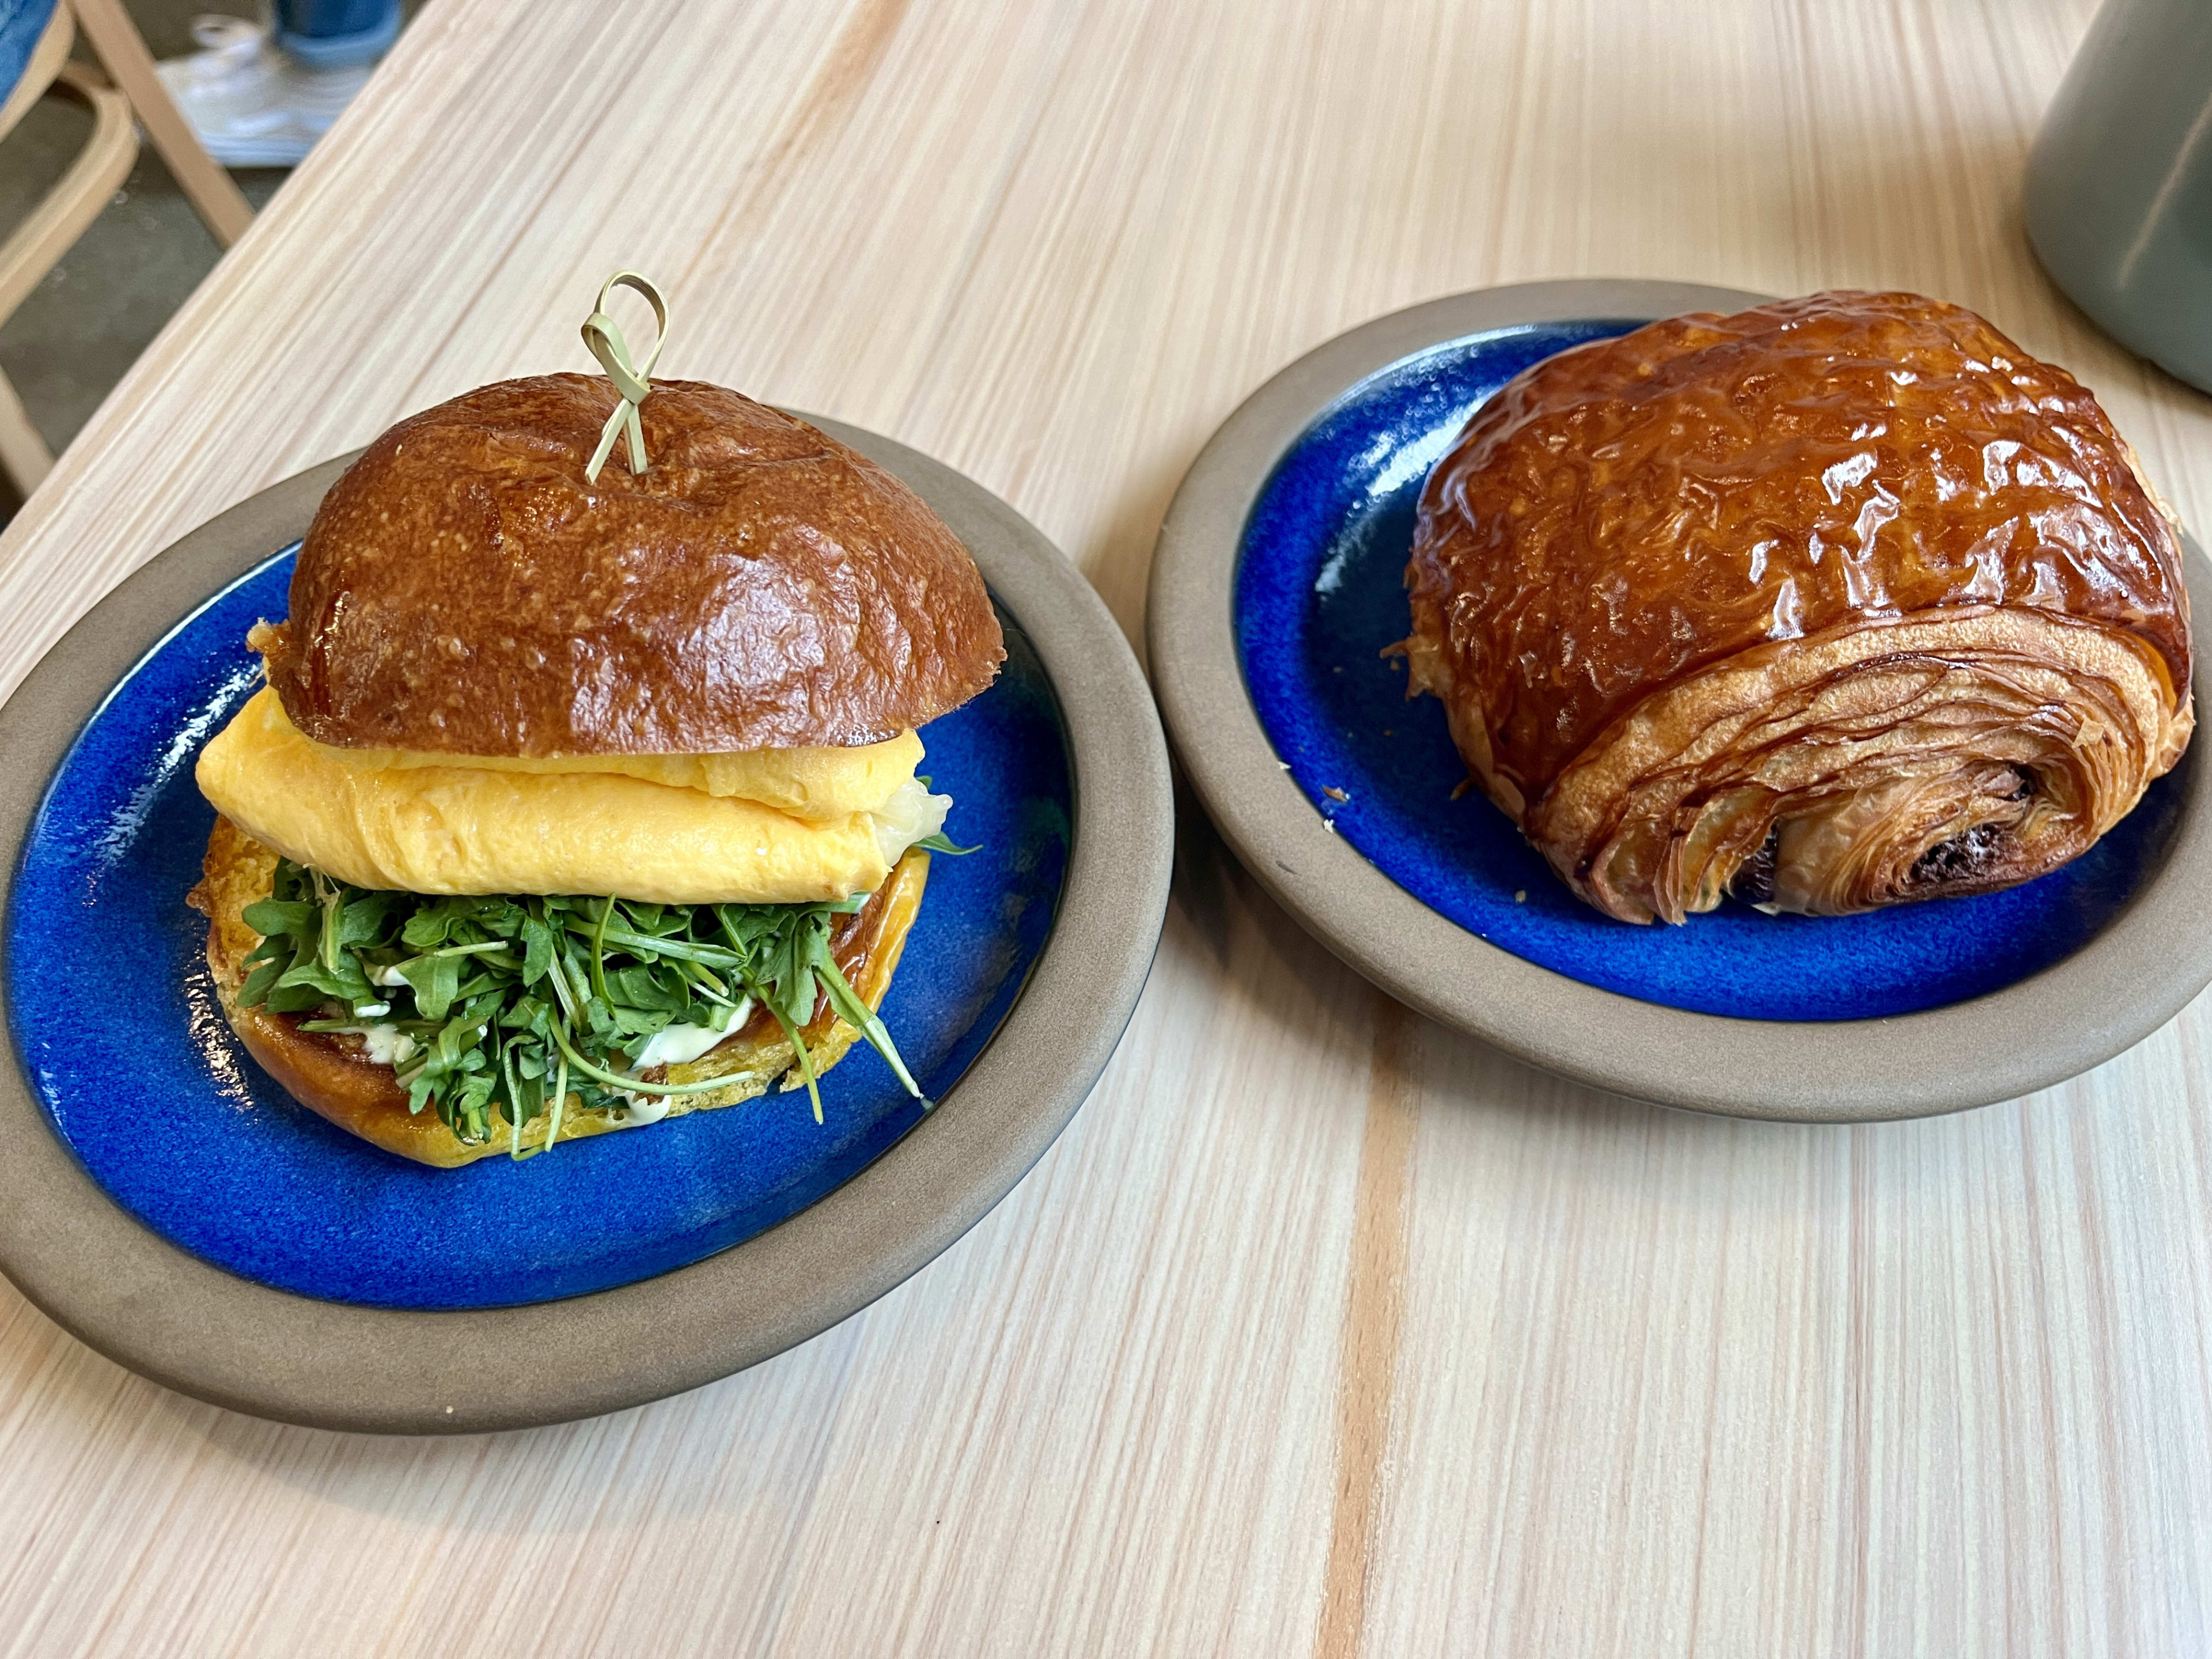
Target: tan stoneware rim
2116 990
152 1307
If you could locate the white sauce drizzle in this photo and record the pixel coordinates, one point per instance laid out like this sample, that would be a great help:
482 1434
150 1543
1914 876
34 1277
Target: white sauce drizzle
676 1045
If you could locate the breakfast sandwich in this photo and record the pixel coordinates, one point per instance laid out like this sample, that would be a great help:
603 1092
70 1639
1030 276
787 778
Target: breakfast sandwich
581 796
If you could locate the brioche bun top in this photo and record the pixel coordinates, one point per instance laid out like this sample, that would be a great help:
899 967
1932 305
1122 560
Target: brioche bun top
465 590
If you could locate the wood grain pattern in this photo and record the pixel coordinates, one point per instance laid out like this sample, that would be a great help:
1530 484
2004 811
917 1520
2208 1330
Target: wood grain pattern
1374 1310
1659 1385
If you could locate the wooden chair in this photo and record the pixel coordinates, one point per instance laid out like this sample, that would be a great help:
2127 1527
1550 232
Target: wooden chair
128 88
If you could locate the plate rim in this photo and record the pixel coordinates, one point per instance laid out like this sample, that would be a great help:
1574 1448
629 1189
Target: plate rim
196 1327
2116 989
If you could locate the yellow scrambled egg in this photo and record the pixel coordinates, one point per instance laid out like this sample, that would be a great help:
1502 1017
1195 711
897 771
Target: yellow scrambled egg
772 826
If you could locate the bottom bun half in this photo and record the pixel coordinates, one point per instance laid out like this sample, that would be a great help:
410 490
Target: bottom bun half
332 1074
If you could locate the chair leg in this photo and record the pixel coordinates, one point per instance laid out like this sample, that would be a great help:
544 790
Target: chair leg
31 249
121 51
48 53
24 456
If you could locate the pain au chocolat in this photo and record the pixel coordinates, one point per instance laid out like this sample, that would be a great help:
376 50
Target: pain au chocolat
1840 602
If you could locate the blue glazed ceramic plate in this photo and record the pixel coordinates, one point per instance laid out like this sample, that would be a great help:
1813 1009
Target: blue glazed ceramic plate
159 1200
1276 586
1319 595
166 1112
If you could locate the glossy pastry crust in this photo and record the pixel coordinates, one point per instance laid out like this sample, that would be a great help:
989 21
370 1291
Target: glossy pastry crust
464 590
1853 566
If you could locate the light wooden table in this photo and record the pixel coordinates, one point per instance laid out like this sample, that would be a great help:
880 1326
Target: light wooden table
1322 1330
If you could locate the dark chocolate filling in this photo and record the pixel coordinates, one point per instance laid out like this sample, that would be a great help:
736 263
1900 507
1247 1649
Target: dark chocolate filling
1959 858
1964 857
1753 881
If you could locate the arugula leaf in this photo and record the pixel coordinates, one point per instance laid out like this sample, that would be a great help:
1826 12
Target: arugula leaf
255 991
362 919
648 987
537 948
941 842
435 982
514 1008
270 915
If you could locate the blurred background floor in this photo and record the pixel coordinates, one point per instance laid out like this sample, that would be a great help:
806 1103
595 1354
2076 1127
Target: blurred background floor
86 323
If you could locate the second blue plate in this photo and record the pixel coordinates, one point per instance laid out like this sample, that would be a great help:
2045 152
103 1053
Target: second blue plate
1319 596
1277 587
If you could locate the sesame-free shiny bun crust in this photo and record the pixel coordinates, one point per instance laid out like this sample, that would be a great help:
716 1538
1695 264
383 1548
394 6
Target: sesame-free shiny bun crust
464 590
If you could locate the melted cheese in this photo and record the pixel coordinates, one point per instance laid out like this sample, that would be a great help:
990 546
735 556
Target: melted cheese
431 825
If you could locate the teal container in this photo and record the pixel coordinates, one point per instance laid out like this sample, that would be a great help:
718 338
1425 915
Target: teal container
2119 183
